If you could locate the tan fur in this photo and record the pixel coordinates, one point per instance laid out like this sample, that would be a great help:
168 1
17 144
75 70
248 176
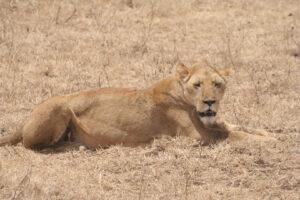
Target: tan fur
98 118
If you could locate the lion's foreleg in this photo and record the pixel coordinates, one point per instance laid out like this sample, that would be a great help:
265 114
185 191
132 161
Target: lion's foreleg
239 133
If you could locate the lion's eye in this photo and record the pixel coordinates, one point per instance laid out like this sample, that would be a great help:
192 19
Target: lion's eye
218 85
197 85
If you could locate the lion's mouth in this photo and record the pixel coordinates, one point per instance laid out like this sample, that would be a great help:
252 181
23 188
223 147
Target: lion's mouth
208 113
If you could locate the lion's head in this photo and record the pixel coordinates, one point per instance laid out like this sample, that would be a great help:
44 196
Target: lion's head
203 88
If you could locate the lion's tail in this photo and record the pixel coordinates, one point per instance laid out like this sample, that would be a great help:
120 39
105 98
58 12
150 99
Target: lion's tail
11 139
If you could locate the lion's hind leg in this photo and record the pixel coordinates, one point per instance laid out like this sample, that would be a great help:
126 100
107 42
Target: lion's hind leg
46 125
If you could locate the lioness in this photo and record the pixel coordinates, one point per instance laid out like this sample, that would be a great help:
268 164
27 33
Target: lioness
186 103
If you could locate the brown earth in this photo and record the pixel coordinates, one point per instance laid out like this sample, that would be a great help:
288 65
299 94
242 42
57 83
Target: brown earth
49 48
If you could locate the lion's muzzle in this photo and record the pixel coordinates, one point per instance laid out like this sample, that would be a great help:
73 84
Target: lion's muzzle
208 113
207 117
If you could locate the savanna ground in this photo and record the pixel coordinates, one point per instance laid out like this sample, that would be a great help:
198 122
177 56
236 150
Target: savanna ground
49 48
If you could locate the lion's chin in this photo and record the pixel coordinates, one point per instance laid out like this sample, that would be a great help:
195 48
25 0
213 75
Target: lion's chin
208 117
208 121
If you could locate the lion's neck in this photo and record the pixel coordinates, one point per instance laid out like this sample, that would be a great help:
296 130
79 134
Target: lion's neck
168 92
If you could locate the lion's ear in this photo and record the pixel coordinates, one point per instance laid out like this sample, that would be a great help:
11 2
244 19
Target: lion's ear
227 71
183 72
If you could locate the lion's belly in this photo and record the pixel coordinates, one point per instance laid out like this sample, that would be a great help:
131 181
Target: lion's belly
118 120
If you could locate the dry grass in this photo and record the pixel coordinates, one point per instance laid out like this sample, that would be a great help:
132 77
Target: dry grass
56 47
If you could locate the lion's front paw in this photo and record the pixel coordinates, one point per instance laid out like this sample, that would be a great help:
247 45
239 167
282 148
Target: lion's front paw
241 135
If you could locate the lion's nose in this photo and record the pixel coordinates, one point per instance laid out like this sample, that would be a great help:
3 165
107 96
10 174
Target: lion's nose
209 102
